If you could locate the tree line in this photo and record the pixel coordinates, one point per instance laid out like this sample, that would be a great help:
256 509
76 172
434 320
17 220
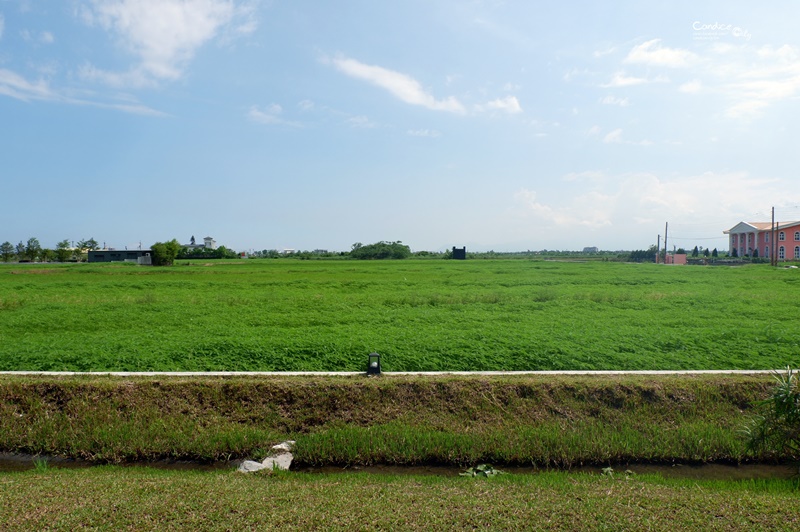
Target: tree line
163 253
32 250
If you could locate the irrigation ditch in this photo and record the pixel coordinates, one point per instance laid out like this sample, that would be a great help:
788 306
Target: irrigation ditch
685 424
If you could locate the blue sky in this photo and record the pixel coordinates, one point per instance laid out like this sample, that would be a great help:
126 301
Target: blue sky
505 125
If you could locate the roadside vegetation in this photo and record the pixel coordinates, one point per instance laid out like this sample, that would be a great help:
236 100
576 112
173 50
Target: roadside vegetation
419 314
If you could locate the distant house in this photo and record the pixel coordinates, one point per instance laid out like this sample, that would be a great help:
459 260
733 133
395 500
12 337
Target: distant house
139 256
592 249
753 238
208 243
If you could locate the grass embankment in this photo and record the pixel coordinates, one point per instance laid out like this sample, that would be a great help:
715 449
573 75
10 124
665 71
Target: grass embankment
421 315
124 498
539 420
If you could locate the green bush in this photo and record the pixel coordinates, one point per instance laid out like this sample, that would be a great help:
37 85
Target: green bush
777 428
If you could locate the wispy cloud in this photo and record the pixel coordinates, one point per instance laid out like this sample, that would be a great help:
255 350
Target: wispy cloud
654 54
270 115
509 104
2 25
620 79
163 35
746 80
432 133
16 86
361 122
305 105
399 85
612 100
601 201
615 137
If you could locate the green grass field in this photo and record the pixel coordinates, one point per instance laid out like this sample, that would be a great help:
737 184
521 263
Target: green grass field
420 315
114 498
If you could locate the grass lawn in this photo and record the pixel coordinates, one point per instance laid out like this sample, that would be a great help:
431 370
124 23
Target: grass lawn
281 315
140 498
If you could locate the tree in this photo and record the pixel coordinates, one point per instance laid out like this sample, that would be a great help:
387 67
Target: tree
735 253
88 245
6 251
19 250
695 252
32 249
714 253
164 253
47 255
643 255
705 253
380 250
63 251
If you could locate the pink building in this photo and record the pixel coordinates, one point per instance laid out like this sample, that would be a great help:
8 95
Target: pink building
749 238
675 258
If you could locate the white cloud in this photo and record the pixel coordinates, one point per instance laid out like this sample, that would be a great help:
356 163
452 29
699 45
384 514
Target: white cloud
691 87
361 122
604 52
399 85
605 204
746 80
15 86
424 133
163 35
615 137
305 105
653 54
46 37
269 115
509 104
611 100
2 25
619 79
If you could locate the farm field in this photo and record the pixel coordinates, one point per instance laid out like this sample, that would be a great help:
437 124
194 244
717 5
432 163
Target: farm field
420 315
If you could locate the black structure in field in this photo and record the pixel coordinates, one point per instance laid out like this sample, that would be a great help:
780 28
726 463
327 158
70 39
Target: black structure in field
139 256
460 253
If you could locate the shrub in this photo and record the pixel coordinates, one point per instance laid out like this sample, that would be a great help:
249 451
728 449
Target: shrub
777 428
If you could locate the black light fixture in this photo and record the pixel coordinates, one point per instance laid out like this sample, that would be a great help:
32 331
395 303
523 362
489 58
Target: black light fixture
374 364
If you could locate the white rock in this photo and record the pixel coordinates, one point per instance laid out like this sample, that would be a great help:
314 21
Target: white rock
282 461
283 447
249 466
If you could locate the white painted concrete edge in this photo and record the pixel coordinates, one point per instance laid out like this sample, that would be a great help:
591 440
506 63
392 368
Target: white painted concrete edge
386 373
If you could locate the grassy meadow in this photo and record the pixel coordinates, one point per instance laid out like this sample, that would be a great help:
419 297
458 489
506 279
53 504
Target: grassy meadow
421 315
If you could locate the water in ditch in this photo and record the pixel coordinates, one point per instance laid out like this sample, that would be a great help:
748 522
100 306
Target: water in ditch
713 471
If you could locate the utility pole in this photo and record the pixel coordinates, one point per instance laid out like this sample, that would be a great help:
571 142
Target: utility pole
666 229
773 256
658 248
